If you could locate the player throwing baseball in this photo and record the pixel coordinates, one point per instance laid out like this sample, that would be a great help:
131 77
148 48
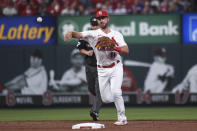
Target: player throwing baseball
109 64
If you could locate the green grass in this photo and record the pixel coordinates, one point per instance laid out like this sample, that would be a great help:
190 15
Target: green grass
170 113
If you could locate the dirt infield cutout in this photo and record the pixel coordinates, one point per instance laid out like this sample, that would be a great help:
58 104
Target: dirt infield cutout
109 126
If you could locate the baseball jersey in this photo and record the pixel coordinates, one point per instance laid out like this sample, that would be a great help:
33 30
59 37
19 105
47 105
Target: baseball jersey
104 55
36 79
89 60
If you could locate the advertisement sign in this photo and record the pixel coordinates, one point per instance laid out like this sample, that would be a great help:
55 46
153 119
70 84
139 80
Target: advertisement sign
27 31
189 29
70 23
130 99
136 29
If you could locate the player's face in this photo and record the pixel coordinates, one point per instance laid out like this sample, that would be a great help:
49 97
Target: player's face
77 61
35 62
103 21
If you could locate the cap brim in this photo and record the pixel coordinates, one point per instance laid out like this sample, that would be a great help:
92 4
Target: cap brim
102 16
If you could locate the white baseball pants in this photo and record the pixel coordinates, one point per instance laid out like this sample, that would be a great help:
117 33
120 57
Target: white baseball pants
110 82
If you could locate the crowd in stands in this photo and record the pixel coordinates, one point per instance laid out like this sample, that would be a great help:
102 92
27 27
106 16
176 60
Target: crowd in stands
87 7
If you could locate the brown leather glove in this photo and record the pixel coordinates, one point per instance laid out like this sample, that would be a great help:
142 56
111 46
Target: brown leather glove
105 42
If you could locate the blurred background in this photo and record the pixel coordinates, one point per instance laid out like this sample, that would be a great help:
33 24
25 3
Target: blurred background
38 68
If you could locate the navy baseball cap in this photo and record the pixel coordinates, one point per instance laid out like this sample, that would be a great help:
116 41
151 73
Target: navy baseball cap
93 21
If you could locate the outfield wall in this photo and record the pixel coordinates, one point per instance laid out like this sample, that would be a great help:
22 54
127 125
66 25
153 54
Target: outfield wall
139 98
143 33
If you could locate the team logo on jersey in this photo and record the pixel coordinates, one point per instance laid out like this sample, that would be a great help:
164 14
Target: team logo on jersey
101 48
105 48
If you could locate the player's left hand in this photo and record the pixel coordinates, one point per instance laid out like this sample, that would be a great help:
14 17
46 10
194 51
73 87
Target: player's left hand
68 36
106 42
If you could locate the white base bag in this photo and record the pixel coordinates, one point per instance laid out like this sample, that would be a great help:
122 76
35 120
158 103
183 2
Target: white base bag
88 126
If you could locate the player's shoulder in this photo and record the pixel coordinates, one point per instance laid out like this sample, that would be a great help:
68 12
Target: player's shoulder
98 31
94 32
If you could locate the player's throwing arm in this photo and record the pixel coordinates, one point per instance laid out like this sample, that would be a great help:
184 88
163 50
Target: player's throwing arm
72 34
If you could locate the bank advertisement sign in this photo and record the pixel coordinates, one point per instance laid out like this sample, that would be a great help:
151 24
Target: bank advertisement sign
189 22
27 31
136 29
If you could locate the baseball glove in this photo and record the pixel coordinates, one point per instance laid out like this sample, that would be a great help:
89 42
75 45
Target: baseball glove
105 42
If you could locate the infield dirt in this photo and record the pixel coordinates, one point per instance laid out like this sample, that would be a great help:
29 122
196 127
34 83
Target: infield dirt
109 126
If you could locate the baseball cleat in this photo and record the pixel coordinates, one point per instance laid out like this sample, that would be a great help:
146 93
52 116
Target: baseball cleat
121 123
94 116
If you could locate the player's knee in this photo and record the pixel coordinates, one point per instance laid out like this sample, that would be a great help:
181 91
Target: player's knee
106 99
117 93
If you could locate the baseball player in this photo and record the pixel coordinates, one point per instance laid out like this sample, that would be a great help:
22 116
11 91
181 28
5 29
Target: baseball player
34 80
109 64
189 82
91 71
159 74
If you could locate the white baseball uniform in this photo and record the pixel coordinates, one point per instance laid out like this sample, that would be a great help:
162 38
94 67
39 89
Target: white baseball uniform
189 82
110 68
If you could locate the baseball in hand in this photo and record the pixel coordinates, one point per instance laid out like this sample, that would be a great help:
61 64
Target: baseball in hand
39 19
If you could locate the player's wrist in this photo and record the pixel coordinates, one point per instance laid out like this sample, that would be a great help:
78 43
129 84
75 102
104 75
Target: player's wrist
119 49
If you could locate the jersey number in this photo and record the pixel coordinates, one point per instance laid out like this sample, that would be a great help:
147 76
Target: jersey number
112 55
